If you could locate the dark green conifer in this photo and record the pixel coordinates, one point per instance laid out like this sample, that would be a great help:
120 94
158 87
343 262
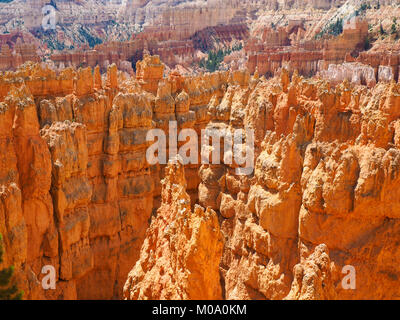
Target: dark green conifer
8 289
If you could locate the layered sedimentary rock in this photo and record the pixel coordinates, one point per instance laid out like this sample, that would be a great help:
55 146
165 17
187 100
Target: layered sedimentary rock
297 35
156 41
224 35
126 54
16 49
287 47
68 12
162 27
367 69
181 18
182 251
85 192
310 40
77 191
386 65
355 31
322 196
353 72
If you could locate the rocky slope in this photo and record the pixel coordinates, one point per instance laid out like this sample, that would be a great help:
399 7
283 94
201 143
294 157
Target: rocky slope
80 195
322 196
69 208
309 36
81 25
77 192
181 254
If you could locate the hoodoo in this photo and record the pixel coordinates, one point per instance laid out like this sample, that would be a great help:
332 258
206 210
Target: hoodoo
200 150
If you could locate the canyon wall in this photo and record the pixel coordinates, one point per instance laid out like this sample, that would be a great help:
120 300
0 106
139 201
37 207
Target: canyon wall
286 47
77 191
164 26
296 35
187 248
322 197
80 198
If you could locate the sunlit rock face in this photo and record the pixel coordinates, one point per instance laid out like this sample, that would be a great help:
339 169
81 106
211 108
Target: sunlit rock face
324 158
181 253
165 26
84 187
77 190
78 193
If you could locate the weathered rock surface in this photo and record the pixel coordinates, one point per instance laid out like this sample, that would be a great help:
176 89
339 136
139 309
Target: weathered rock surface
77 192
318 200
181 253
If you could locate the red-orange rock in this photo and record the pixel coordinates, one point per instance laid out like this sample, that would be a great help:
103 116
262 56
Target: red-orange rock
76 191
181 254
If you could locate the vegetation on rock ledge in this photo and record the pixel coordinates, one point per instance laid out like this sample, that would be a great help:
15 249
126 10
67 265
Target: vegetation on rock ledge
8 290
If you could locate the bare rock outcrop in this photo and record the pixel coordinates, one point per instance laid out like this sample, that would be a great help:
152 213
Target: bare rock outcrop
77 193
181 253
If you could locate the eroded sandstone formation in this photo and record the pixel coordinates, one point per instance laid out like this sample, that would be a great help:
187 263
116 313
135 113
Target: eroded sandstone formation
78 193
287 46
76 152
308 36
322 196
182 251
83 173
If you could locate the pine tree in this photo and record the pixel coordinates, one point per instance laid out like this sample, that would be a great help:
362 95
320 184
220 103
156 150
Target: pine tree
394 26
381 30
8 290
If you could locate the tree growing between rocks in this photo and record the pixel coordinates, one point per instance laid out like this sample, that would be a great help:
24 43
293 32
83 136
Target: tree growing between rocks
8 289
